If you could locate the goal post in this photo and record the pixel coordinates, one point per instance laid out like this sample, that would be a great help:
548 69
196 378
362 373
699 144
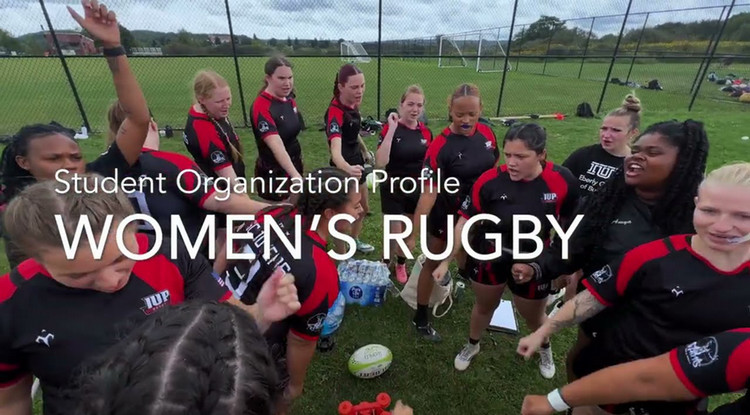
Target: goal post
354 52
480 50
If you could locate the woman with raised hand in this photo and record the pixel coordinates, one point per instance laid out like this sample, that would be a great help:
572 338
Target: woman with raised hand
44 151
669 292
276 124
327 193
401 150
463 151
82 286
343 124
652 197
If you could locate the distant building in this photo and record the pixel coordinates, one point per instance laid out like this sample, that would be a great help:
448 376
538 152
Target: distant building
222 38
71 43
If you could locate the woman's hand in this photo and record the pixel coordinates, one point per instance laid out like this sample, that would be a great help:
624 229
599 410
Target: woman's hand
99 22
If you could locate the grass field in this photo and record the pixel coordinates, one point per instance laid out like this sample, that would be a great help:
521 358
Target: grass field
36 89
422 374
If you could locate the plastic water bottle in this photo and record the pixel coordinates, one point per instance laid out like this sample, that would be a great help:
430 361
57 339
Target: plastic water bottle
458 290
84 131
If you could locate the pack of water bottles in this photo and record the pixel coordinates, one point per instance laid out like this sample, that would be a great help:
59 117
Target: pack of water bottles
335 316
364 282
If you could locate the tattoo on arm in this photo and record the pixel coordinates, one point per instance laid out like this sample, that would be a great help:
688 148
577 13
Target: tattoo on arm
585 306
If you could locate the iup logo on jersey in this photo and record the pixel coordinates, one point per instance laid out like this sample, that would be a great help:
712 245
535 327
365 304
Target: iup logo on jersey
154 302
549 197
702 352
603 275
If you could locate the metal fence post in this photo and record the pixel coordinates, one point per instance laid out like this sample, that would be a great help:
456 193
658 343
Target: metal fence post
380 54
614 57
520 48
505 63
586 48
236 65
711 56
546 54
65 67
637 47
708 49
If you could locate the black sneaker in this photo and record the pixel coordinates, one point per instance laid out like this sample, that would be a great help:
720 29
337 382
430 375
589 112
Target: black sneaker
427 332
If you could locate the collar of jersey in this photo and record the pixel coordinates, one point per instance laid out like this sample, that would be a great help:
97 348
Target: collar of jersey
270 96
473 131
197 114
339 104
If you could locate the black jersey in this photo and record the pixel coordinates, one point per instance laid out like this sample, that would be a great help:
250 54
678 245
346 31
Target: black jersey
408 149
110 163
182 190
344 123
631 227
270 115
210 141
462 157
315 274
51 341
666 295
554 192
592 166
715 365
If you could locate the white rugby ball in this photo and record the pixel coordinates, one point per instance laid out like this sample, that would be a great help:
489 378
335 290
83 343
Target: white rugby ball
370 361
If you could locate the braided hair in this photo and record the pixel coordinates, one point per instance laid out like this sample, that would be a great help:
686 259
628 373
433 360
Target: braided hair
673 213
193 358
14 178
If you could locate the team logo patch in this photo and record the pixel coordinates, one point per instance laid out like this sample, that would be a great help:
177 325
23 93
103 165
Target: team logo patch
702 352
467 202
603 275
154 302
315 323
549 198
424 141
334 127
218 157
263 127
426 173
488 144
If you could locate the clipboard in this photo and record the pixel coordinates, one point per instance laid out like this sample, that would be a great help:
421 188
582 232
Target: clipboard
504 319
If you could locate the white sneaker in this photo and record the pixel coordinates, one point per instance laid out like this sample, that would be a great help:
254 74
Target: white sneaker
463 359
364 247
546 363
556 296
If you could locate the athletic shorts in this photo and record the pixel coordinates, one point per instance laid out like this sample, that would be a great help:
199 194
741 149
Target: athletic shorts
595 357
397 202
499 272
274 190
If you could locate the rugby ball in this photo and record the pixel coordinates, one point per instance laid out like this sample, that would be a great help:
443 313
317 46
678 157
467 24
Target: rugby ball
371 181
370 361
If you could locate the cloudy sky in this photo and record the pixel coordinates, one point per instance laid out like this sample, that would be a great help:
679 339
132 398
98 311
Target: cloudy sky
352 19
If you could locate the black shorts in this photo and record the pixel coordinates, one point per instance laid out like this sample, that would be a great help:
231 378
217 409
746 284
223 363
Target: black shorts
595 357
275 190
397 202
498 272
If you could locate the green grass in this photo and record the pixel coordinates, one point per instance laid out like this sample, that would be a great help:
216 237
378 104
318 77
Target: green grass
422 374
36 89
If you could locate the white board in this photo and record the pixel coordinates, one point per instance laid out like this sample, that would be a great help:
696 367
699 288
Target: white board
504 318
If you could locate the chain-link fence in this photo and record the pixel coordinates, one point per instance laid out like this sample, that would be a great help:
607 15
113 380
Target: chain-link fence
527 56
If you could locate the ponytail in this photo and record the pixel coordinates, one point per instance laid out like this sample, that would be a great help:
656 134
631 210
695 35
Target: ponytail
336 86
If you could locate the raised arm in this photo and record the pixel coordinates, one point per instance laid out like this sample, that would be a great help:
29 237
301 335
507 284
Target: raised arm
102 24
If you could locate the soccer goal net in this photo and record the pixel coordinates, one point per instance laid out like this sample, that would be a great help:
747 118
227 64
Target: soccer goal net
480 50
354 52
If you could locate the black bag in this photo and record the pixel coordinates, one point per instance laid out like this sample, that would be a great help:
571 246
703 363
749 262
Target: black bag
584 110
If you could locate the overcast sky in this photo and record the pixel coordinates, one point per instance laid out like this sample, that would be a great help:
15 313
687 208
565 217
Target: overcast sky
351 19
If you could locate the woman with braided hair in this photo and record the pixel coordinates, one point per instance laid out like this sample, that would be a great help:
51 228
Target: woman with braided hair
42 151
193 358
328 192
650 198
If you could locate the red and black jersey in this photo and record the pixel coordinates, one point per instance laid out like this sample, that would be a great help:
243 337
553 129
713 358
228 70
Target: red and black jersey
208 141
462 157
182 191
592 165
408 149
48 329
270 115
109 162
315 274
714 364
344 123
554 192
666 295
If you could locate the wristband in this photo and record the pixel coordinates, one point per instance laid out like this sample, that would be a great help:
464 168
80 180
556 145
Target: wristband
116 51
556 401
